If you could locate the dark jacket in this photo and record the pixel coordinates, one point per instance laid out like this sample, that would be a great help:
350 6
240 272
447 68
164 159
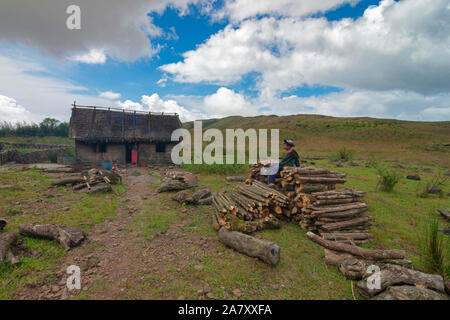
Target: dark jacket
290 159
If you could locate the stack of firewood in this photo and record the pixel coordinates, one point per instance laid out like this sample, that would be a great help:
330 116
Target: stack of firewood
296 181
248 208
91 181
336 215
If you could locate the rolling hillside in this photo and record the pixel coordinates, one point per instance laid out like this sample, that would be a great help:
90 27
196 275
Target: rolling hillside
421 143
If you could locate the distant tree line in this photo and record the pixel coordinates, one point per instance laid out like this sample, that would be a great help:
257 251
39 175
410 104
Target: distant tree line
48 127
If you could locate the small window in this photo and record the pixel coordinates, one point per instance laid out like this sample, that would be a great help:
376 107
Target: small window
99 147
160 147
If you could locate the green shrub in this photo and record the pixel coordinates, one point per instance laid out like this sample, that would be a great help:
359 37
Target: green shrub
435 249
344 154
387 178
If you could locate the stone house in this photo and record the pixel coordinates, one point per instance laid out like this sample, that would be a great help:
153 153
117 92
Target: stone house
107 134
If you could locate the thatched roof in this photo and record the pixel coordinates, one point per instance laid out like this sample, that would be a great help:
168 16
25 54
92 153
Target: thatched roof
96 124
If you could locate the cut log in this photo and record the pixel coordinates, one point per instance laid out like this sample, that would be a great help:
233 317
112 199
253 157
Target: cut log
205 201
338 208
169 184
357 251
7 239
66 180
67 237
346 236
3 224
266 251
335 257
98 188
198 195
409 293
391 274
346 224
236 178
344 214
353 269
181 196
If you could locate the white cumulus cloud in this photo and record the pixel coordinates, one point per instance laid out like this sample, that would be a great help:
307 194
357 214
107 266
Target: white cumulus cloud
94 56
12 112
110 95
238 10
226 102
395 45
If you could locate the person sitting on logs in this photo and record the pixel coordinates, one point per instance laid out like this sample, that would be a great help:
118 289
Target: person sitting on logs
115 170
290 159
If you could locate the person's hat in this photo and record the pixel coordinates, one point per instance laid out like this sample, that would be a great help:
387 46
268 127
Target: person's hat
289 143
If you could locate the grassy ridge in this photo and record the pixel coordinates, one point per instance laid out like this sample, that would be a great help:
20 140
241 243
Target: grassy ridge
420 143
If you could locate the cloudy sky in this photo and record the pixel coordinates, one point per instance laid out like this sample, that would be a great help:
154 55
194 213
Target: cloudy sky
214 58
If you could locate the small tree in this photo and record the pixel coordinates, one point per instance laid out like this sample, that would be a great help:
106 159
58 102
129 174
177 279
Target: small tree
387 178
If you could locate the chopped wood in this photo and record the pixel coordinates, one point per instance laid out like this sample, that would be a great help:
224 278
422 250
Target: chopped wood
66 180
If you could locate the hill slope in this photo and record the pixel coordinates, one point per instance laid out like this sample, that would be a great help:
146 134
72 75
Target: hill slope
425 143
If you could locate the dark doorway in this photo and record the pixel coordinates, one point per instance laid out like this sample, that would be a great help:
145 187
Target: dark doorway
128 148
132 152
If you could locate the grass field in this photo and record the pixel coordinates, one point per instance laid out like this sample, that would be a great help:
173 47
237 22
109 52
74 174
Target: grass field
400 216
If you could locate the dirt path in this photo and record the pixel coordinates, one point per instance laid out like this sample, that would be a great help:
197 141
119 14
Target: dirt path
115 262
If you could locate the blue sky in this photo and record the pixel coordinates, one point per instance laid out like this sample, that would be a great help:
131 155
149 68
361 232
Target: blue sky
207 59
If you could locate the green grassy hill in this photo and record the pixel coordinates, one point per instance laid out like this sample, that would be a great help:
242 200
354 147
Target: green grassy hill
421 143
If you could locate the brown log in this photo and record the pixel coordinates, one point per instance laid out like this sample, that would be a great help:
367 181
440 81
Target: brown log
66 180
391 274
98 188
266 251
305 179
344 214
205 201
7 239
67 237
346 224
346 236
357 251
338 207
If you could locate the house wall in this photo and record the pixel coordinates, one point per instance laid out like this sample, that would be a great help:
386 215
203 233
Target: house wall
84 153
148 154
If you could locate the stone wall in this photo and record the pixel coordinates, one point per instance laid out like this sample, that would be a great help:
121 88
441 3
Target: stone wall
86 154
13 155
10 145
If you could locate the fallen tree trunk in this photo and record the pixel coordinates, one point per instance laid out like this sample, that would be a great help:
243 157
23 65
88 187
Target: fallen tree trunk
7 239
67 237
357 251
346 236
266 251
391 274
66 180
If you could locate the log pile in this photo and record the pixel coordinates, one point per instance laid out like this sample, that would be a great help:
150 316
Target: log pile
248 208
91 181
336 215
177 180
296 181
